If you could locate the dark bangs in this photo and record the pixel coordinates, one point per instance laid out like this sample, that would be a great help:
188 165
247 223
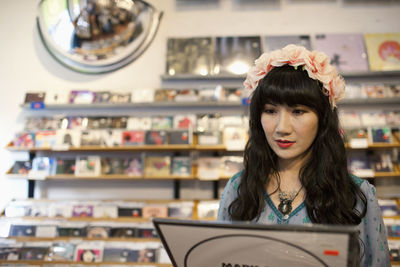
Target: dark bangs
288 86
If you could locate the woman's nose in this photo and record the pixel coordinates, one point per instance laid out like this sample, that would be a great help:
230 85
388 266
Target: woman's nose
283 124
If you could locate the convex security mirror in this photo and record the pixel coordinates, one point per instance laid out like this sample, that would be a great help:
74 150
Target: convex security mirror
97 36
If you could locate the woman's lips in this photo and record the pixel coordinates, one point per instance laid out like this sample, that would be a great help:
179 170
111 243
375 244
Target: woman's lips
284 143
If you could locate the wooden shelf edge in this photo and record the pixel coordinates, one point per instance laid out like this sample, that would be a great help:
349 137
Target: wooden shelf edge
37 262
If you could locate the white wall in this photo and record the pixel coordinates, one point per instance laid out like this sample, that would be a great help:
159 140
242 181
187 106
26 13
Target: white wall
26 65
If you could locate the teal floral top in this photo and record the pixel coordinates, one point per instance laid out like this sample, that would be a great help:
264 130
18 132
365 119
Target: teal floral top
372 229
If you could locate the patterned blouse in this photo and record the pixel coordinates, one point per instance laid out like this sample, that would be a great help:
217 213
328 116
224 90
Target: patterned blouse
372 229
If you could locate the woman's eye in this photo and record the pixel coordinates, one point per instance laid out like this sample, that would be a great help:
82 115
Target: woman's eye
298 111
269 111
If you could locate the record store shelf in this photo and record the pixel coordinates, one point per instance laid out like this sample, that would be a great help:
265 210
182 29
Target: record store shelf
75 263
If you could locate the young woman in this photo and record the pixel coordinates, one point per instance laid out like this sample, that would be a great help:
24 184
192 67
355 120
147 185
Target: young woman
295 166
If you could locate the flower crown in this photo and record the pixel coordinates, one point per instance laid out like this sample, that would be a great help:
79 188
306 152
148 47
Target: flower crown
317 65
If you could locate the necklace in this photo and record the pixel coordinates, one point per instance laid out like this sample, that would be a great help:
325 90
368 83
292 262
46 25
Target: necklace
286 198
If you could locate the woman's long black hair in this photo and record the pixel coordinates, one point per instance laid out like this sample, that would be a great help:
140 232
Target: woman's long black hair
331 193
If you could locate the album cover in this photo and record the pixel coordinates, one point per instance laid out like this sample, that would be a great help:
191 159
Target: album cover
33 253
111 138
143 95
128 230
24 140
234 120
98 231
116 254
373 119
393 118
56 98
180 137
72 229
60 209
45 139
211 94
68 138
209 168
154 210
18 208
9 253
209 138
383 51
355 133
359 164
119 122
156 166
354 91
393 90
235 55
65 166
183 209
381 162
133 138
389 207
82 210
156 137
232 94
46 230
181 166
274 42
133 166
231 165
120 97
89 252
184 121
235 138
102 97
161 122
142 255
88 166
41 123
147 230
77 123
208 122
81 97
164 95
136 123
130 210
346 51
374 91
34 97
112 166
95 123
105 210
22 230
349 119
92 138
187 95
207 209
61 251
380 134
190 56
42 167
21 167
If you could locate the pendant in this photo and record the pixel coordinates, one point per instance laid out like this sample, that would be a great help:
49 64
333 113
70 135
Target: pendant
285 207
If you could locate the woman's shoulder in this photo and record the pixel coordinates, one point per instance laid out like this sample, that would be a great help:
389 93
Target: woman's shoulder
364 185
357 180
234 181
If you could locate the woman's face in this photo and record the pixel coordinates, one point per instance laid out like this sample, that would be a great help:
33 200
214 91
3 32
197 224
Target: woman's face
290 131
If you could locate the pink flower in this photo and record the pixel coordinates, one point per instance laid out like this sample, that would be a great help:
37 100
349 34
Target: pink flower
295 54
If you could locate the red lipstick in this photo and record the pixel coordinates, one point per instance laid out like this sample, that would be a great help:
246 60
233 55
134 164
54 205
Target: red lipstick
284 143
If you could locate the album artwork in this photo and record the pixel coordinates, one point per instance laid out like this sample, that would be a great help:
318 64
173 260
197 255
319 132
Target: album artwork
155 210
190 56
61 251
88 166
208 122
389 207
112 166
147 231
95 123
235 138
81 97
143 95
161 122
132 210
374 91
123 231
164 95
383 51
105 210
156 137
34 97
102 97
45 139
142 255
187 95
184 121
24 140
18 209
373 119
274 42
235 55
120 97
119 122
22 230
56 98
393 90
207 209
182 209
381 162
77 123
94 231
42 123
231 165
91 138
136 123
89 252
68 138
133 138
111 138
209 168
209 138
346 51
179 137
358 161
45 230
181 166
381 134
157 166
355 133
42 166
393 118
116 254
21 167
9 253
33 253
82 210
133 166
72 230
232 95
60 210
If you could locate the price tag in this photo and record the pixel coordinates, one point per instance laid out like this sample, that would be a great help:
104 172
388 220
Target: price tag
359 143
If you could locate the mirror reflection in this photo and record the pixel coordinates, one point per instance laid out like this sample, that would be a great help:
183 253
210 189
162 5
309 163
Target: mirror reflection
96 36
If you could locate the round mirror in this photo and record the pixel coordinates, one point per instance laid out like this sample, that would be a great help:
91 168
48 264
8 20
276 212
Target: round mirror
97 36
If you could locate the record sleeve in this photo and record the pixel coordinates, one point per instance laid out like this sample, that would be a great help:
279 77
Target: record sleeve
34 97
143 255
33 253
381 162
181 166
95 123
380 134
235 138
18 208
65 166
274 42
42 167
184 121
133 166
156 137
68 138
374 91
22 230
235 55
389 207
105 210
60 209
207 209
89 252
61 251
143 95
187 95
190 56
120 97
157 166
119 253
92 138
81 97
88 166
24 139
180 137
123 230
359 164
102 97
208 122
98 231
82 210
56 98
147 230
133 138
46 230
164 95
72 229
209 138
130 210
373 119
383 51
346 51
77 123
183 209
209 168
119 122
21 167
155 210
9 253
161 122
112 166
45 139
231 165
111 138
